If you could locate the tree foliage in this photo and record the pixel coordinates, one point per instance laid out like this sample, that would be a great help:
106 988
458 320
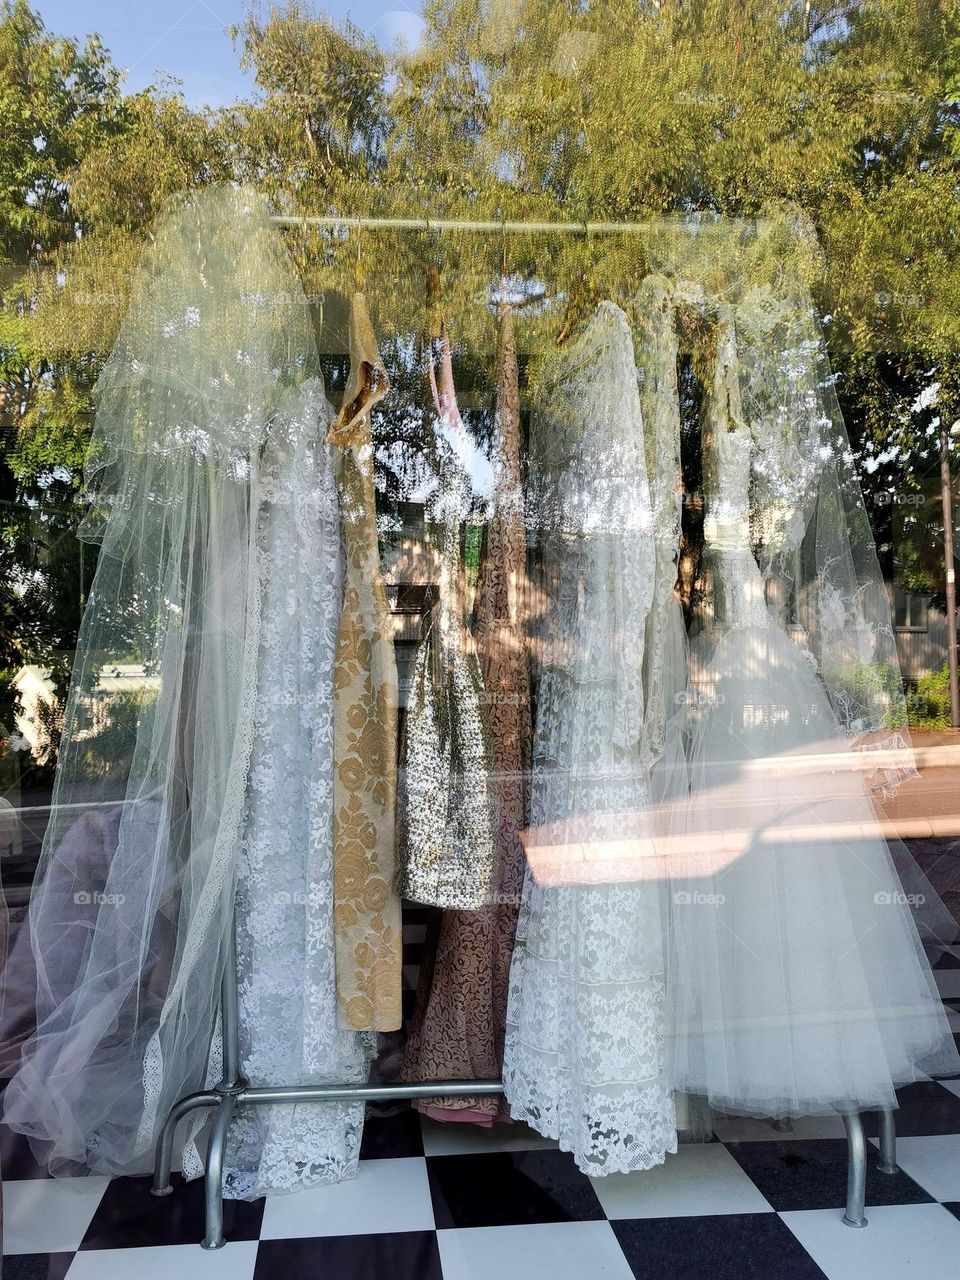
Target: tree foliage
594 110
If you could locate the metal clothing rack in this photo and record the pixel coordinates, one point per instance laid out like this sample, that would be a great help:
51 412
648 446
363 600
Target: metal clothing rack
233 1091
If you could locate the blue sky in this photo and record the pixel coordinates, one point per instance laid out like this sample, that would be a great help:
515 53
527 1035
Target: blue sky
187 38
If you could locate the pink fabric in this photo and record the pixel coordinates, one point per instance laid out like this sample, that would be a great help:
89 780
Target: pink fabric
464 1117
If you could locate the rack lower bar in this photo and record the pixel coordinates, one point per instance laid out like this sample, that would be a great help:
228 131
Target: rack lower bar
374 1092
227 1103
228 1100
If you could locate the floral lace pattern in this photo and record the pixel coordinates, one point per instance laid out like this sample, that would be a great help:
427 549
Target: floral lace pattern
585 1045
367 910
284 894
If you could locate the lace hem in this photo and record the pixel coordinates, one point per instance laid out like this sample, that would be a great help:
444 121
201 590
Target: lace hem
629 1131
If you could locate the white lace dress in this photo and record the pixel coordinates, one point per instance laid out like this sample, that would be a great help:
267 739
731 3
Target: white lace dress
584 1055
798 983
284 894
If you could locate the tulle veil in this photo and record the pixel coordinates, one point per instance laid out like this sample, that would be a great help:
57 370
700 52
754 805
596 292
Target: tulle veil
134 894
798 982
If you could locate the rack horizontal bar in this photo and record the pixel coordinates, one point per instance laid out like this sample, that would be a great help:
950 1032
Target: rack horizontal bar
400 1092
507 227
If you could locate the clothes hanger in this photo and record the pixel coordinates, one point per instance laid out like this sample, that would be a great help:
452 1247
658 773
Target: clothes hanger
582 300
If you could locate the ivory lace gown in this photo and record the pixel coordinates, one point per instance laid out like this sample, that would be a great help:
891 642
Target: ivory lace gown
584 1056
285 896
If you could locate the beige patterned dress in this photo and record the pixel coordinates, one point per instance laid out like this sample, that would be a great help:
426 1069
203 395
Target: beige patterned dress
366 908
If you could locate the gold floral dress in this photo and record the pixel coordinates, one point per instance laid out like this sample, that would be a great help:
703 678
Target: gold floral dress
367 923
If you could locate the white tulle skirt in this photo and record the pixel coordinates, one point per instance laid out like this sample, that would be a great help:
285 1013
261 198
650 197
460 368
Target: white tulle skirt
797 981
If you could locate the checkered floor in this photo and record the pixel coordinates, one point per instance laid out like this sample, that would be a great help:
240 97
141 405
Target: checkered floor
448 1202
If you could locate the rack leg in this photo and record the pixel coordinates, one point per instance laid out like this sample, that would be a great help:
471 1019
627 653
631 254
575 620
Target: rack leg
161 1169
213 1183
888 1143
856 1171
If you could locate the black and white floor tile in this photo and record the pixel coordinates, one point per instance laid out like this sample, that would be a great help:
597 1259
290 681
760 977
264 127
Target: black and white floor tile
435 1202
451 1202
